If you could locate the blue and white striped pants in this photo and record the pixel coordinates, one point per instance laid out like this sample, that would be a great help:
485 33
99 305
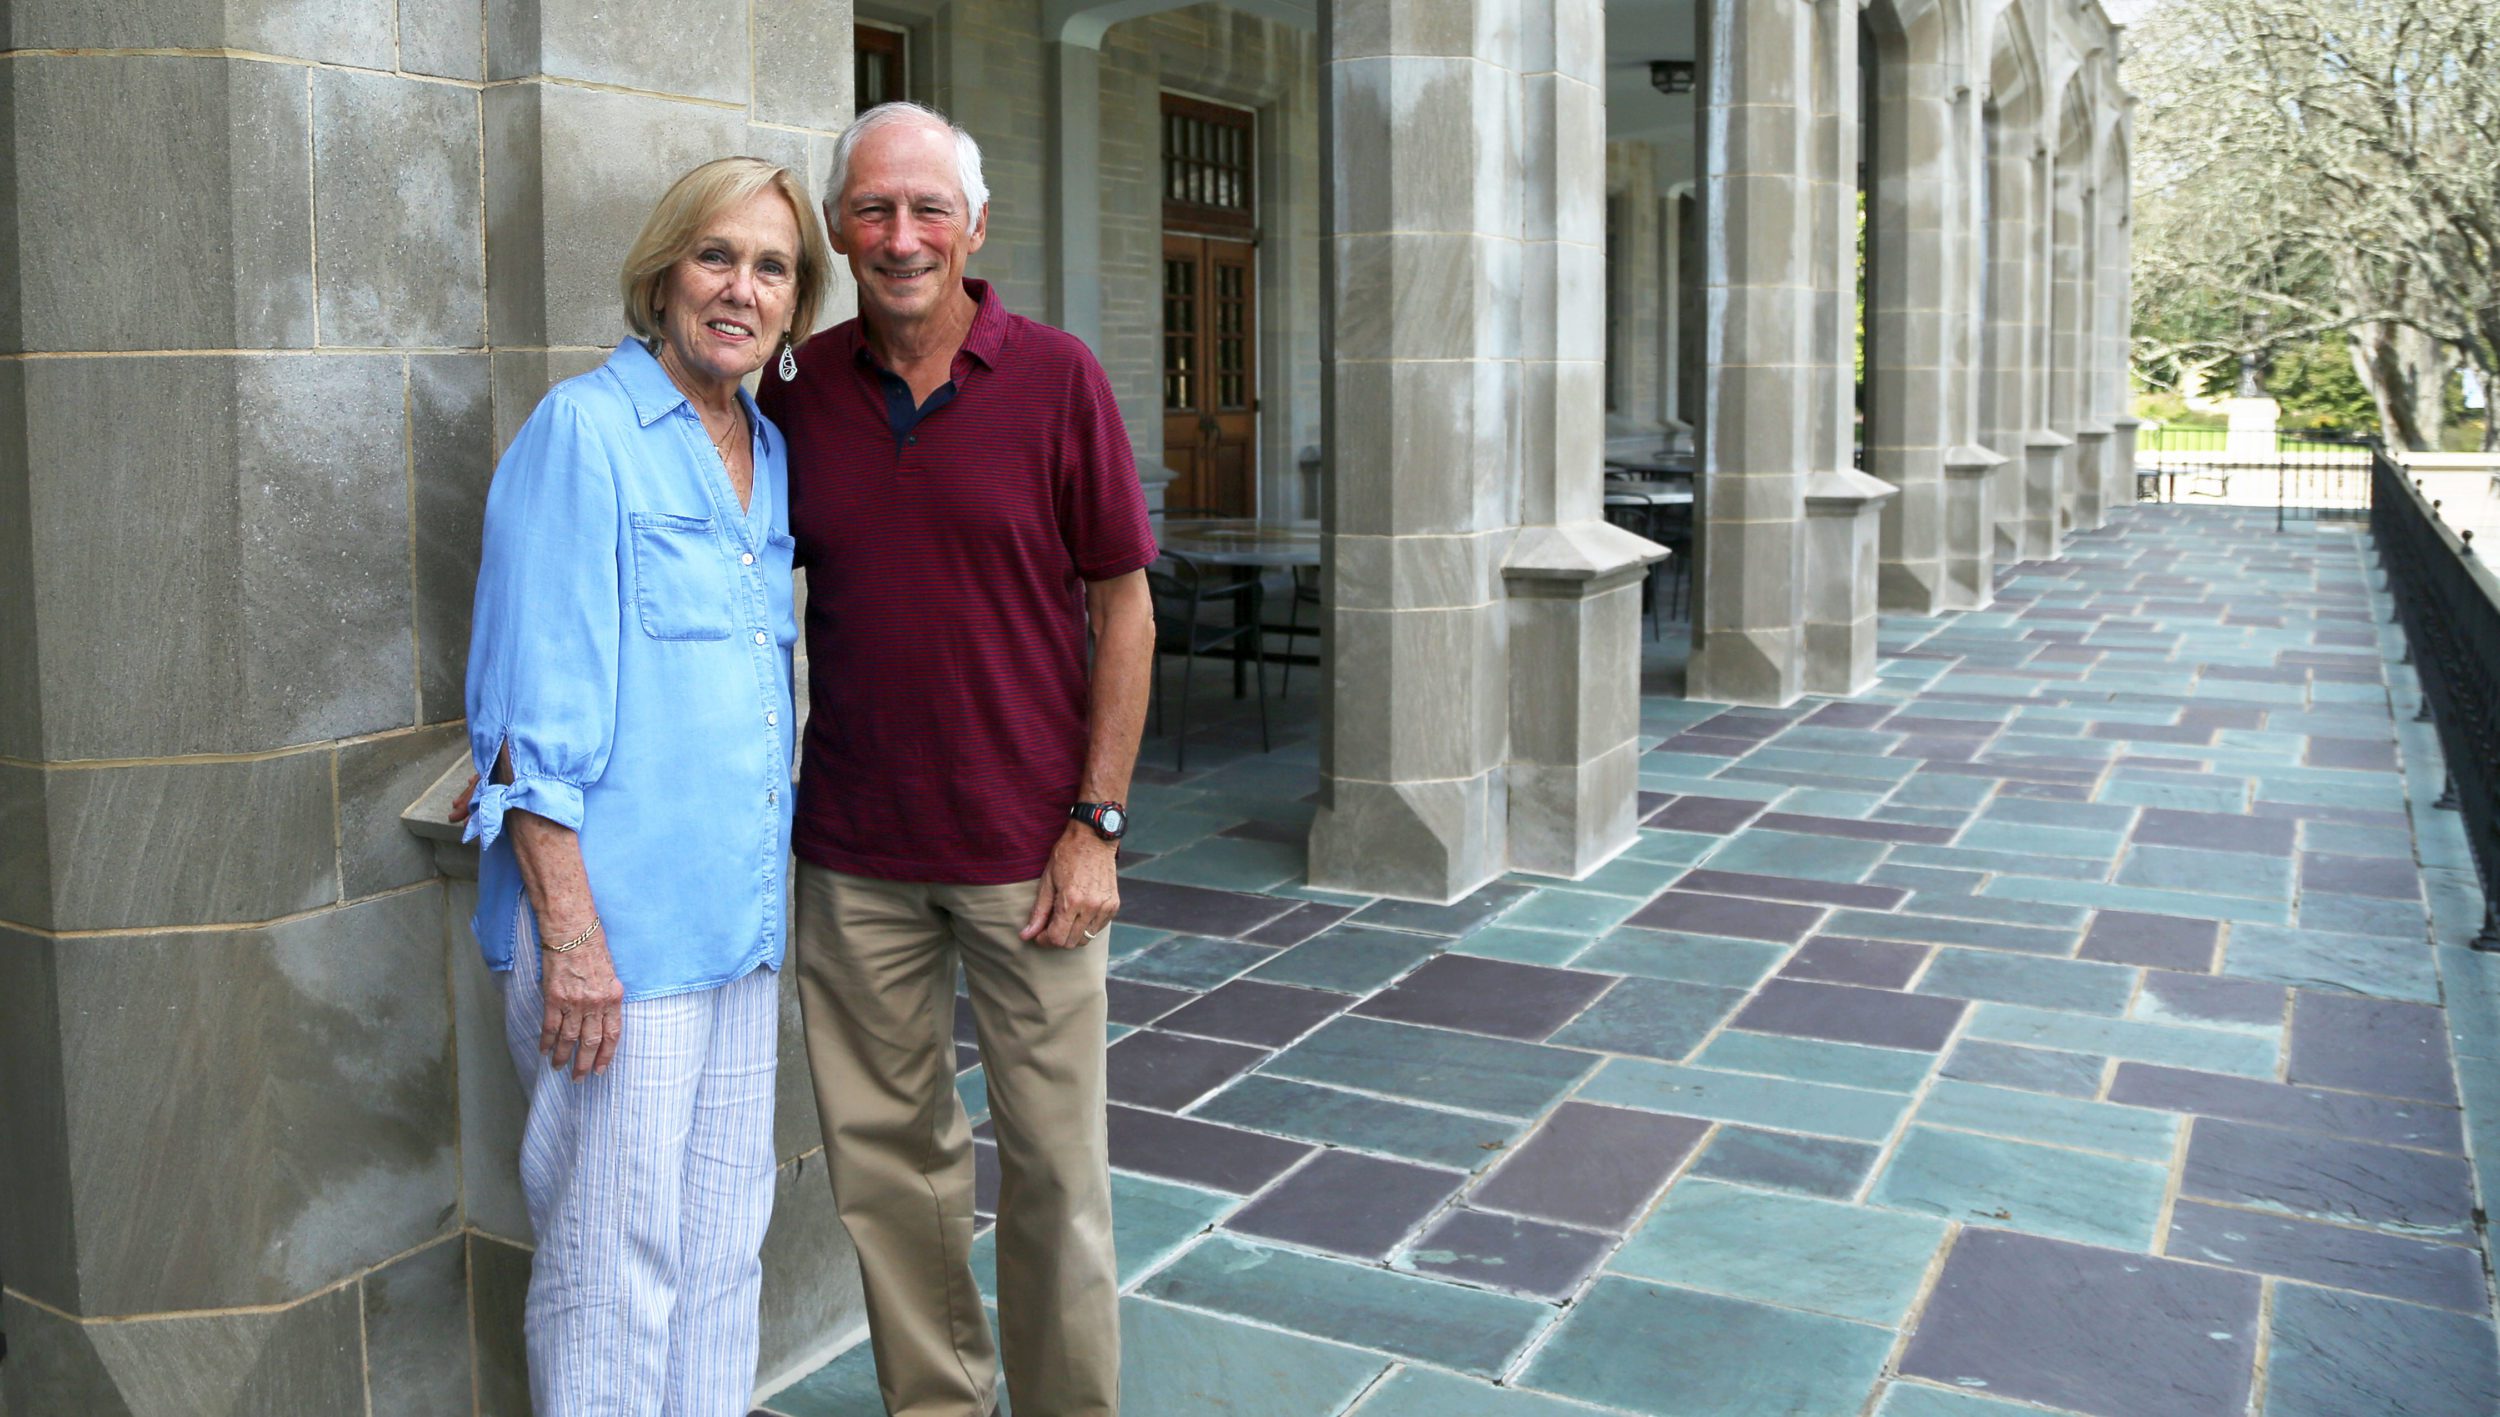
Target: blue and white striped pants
650 1186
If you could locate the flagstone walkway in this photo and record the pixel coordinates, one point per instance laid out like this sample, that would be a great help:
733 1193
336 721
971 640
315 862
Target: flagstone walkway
2056 1027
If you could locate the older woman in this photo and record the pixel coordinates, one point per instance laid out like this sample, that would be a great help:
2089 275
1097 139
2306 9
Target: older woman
629 706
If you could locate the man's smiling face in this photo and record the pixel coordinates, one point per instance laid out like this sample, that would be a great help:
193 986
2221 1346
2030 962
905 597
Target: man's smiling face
902 223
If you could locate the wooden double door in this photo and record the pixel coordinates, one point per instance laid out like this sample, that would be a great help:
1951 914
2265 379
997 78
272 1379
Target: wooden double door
1210 380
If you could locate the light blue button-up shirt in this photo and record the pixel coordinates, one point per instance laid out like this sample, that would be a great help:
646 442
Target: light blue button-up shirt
632 647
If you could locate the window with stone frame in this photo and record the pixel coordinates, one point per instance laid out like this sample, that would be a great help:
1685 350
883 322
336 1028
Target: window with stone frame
878 66
1207 168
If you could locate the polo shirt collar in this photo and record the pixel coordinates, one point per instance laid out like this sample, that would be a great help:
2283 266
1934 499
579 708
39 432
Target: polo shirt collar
983 341
648 387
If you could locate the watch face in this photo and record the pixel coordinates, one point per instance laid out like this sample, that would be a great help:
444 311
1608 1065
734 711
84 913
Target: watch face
1114 821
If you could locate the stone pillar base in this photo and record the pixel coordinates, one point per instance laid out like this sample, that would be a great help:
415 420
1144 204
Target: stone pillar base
2047 472
1843 541
2091 482
1575 625
1970 538
1433 841
2118 464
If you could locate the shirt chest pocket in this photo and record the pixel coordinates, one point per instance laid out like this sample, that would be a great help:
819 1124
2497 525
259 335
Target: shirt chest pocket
681 585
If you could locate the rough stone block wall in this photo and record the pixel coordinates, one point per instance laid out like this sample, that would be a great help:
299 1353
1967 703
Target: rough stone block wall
298 271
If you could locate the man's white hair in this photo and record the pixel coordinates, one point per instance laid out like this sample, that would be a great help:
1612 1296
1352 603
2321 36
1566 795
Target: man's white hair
976 192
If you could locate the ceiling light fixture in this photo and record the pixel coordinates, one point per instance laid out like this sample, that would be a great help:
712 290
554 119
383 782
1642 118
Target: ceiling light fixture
1671 76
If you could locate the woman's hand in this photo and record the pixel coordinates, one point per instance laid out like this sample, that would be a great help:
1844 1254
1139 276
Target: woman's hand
585 1006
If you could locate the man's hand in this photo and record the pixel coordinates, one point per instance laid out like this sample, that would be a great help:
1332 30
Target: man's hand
1080 892
585 1006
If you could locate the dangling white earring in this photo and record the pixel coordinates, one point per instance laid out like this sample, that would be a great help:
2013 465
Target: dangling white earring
789 361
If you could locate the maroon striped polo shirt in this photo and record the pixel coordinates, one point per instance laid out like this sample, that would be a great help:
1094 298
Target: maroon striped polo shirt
947 549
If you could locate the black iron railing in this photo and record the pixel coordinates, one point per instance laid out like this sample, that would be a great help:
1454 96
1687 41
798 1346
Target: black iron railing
2304 476
2448 602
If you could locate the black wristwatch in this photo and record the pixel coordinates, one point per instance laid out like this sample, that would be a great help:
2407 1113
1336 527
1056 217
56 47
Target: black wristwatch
1108 819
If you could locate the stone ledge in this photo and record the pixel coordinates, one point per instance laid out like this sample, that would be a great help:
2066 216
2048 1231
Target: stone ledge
1845 489
1577 559
2047 439
1968 460
429 817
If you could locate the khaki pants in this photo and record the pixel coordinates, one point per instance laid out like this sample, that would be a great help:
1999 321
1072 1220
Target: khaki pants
876 966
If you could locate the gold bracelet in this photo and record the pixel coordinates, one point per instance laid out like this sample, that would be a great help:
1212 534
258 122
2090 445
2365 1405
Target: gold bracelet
574 943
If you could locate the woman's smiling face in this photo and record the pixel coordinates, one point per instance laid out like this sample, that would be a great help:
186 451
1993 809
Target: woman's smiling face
728 300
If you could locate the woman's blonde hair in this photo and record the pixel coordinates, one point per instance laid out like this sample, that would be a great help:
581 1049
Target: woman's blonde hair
692 204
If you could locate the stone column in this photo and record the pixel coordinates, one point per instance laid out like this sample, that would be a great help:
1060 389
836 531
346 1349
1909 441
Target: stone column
299 267
1573 582
1758 344
1075 188
2117 313
1911 314
2049 468
1969 538
1421 302
2006 334
2071 351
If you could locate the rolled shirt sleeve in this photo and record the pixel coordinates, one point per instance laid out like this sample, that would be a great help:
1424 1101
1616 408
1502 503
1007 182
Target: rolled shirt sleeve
543 640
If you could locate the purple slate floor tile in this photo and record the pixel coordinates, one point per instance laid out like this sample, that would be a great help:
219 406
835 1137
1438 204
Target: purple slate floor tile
1200 1153
2087 1329
1348 1203
2160 941
1708 745
2371 1045
1475 995
1694 913
2357 754
1450 921
1505 1252
1789 888
2384 878
2172 997
2216 831
1841 1014
2334 1354
1706 816
2326 812
1590 1165
1839 959
1196 910
1131 1002
2444 1276
2329 1178
1151 1068
1849 715
985 1178
1253 1011
1929 726
1295 926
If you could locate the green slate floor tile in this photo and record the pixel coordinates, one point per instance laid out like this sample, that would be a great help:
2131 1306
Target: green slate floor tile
1520 946
1151 1220
2033 839
1938 930
1423 1392
2065 1195
1784 1161
2322 959
1179 1361
2078 986
1734 1097
1695 959
2210 872
1766 852
1816 1060
2135 1132
2177 792
1466 1330
1191 962
845 1387
1574 912
1963 858
1671 848
1432 1065
1724 1356
1352 959
2171 1045
1907 1399
1826 1257
1650 1018
1630 876
2146 900
1464 1141
1233 863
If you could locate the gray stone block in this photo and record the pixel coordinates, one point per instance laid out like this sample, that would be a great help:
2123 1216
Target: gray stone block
796 1128
377 779
452 455
516 216
803 65
694 48
811 1273
12 326
26 825
1429 841
21 669
417 1333
446 38
290 1089
211 178
499 1281
357 32
396 207
35 1248
199 843
519 380
282 1363
254 592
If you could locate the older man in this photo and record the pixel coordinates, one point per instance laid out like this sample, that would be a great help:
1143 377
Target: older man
967 511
